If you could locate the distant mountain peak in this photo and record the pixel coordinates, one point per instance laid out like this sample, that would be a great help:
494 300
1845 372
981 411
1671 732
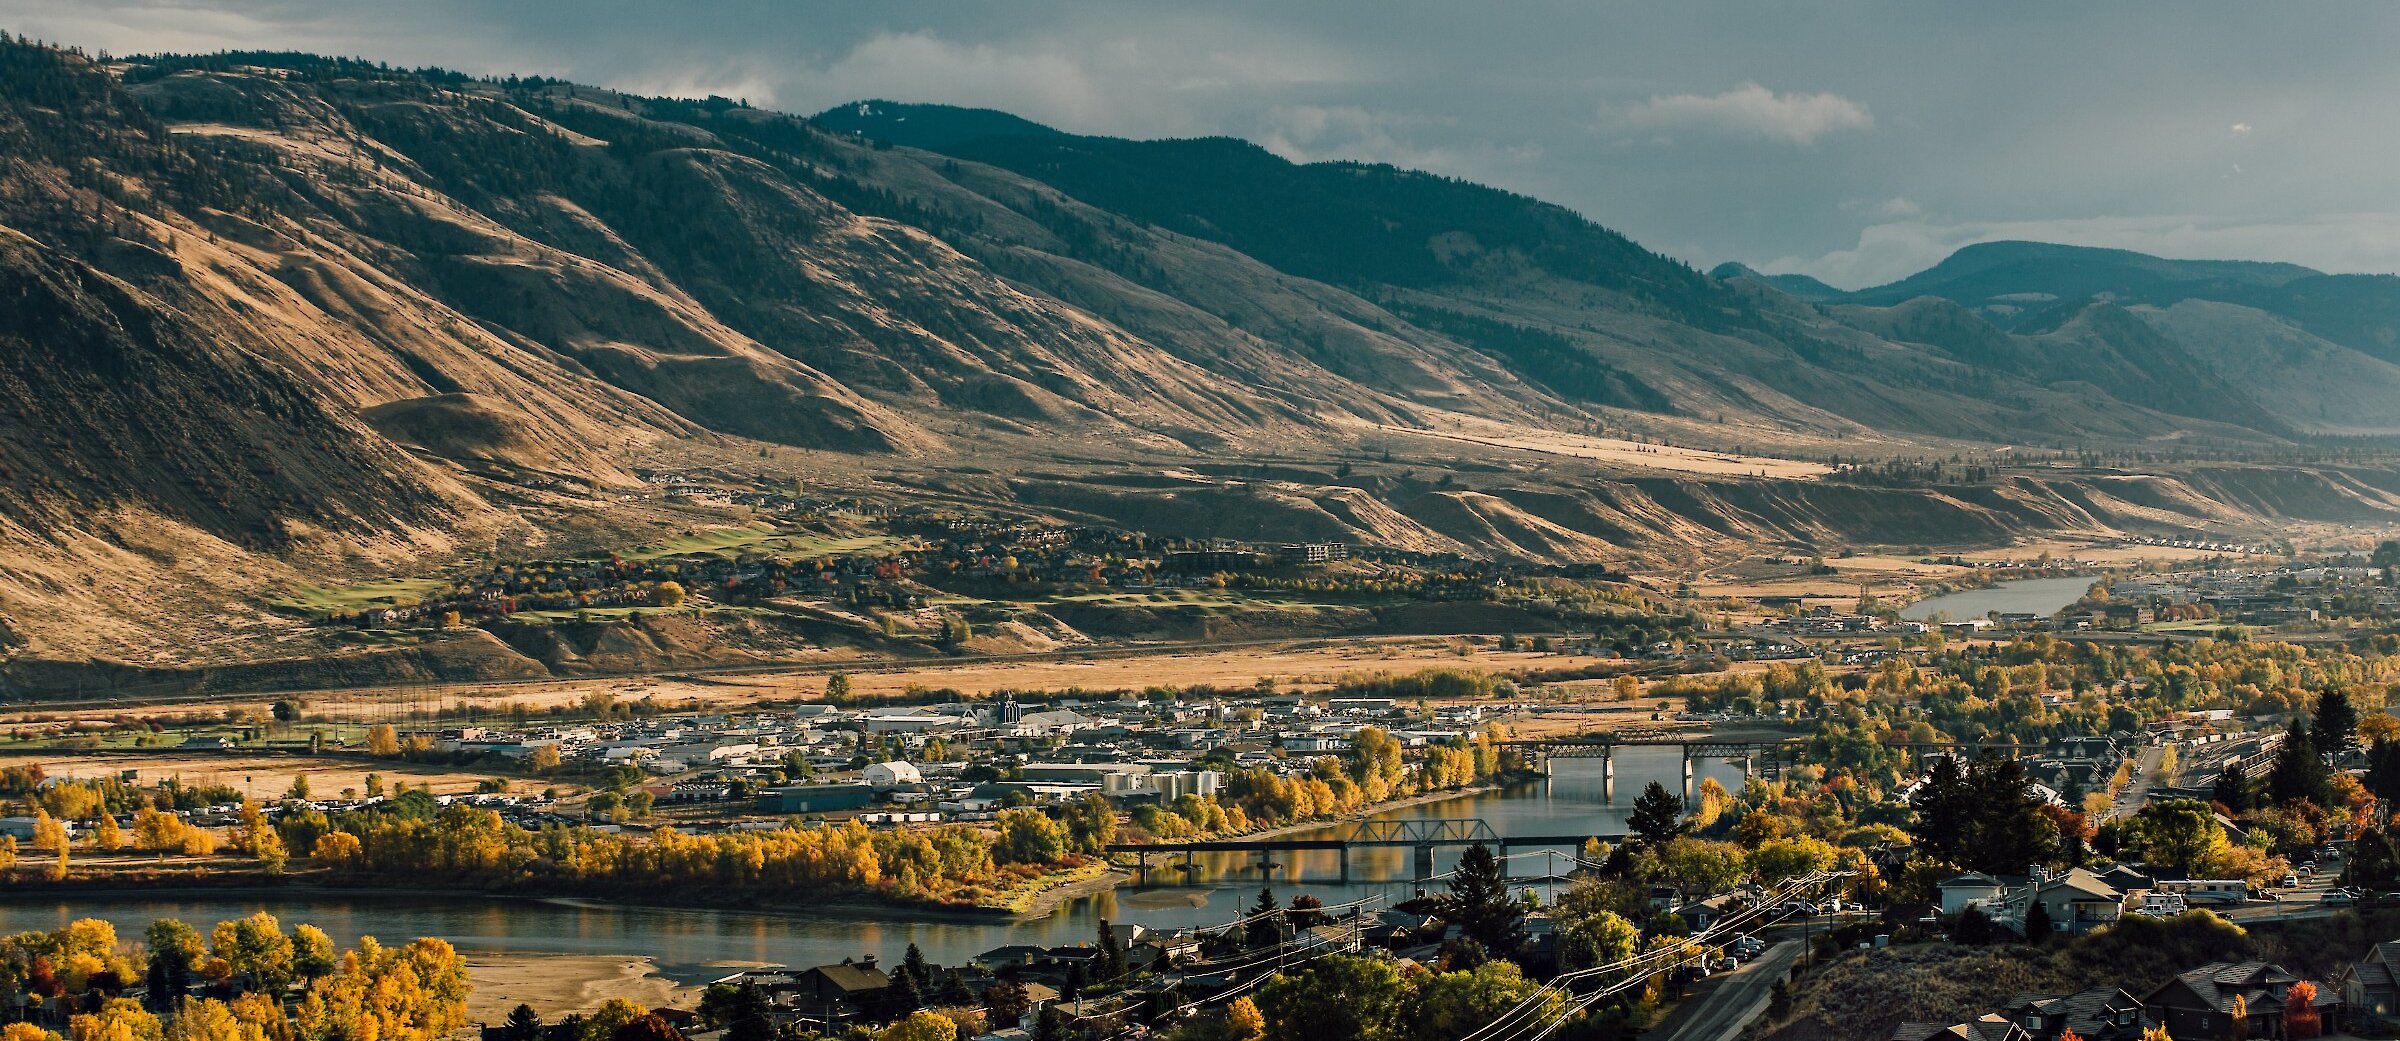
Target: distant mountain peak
931 127
1797 285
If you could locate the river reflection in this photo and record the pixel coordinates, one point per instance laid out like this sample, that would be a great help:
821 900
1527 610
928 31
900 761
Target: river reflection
695 945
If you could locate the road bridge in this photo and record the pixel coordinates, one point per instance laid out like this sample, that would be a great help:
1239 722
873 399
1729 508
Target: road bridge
1422 836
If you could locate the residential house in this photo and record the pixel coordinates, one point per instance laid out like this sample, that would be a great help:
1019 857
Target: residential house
2097 1014
854 987
2372 984
2198 1005
2077 902
1989 1027
1972 888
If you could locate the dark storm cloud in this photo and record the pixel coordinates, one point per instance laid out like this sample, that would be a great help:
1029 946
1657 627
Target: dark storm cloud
1856 142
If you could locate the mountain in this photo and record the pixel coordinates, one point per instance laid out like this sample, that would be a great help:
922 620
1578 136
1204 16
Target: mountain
2305 348
933 127
1794 285
278 319
2013 278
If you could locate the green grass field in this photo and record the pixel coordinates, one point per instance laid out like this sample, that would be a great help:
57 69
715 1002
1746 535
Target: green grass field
761 538
320 601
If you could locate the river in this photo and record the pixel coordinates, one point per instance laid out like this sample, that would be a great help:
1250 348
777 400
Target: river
695 945
2041 596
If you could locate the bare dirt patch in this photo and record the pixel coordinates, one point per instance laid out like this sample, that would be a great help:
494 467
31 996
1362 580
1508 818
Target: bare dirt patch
258 775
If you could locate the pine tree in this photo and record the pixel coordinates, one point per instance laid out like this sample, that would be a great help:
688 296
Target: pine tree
1943 814
1263 920
1657 815
2233 789
523 1024
2038 926
1479 903
2336 726
2298 774
752 1017
1111 964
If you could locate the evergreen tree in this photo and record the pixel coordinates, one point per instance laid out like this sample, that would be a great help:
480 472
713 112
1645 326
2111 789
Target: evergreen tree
2298 774
1265 923
2010 832
912 965
523 1024
1111 964
2233 789
751 1017
1657 815
2038 926
1480 903
2336 728
1942 813
2383 775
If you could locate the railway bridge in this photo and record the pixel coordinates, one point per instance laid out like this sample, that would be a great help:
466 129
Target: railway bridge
1422 836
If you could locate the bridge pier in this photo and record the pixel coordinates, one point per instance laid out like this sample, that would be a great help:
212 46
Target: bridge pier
1424 865
1688 791
1608 778
1345 855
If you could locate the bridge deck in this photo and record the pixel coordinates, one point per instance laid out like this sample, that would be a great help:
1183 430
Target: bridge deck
1256 845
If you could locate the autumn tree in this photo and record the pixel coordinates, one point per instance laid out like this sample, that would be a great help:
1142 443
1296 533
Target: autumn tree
613 1015
1006 1001
2300 1018
48 833
1343 996
1454 1004
920 1026
383 740
647 1027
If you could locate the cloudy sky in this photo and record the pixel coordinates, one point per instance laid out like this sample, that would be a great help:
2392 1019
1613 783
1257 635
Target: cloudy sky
1856 141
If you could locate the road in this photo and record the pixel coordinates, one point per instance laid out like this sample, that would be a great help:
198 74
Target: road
1723 1004
2137 793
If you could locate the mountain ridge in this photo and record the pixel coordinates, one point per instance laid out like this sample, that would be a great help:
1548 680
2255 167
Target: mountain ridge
458 313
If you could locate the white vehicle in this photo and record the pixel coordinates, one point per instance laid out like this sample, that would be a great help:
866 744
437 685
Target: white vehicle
2158 904
2201 892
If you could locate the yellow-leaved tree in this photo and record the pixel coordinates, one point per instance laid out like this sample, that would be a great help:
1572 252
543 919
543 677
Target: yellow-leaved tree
920 1026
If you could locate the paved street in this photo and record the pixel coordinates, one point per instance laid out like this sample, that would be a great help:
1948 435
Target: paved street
2137 794
1726 1002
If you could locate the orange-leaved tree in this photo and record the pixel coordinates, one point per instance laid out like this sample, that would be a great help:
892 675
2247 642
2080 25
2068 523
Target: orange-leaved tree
2300 1012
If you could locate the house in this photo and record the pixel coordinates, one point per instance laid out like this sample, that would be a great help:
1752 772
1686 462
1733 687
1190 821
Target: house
2372 984
892 774
856 986
1012 956
1701 914
1974 887
1988 1027
2198 1005
2097 1014
2077 902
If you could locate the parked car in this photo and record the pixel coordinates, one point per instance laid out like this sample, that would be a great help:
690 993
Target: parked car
2291 881
2337 898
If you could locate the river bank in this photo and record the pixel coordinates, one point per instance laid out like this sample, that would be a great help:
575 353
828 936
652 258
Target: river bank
556 985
